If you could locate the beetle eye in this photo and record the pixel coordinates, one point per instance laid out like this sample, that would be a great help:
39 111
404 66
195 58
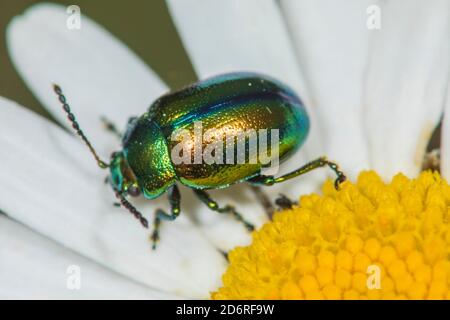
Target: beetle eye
134 191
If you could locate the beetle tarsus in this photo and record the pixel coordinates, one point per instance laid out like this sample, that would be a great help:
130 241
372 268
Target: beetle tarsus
206 199
155 234
340 175
111 127
174 200
283 202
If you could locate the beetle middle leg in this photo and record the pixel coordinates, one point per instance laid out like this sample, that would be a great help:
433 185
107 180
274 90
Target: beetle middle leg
318 163
174 200
206 199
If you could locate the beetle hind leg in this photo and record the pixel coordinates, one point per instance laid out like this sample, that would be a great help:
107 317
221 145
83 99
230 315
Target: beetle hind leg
174 200
206 199
283 202
318 163
264 200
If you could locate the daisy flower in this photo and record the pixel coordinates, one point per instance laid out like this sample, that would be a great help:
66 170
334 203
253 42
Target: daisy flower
375 97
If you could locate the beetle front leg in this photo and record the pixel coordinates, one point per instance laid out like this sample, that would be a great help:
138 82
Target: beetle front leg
206 199
174 200
318 163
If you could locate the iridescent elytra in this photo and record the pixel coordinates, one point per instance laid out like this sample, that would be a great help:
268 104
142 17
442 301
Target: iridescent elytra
233 102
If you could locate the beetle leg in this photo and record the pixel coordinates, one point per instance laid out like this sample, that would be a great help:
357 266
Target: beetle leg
206 199
318 163
111 127
174 200
284 202
264 200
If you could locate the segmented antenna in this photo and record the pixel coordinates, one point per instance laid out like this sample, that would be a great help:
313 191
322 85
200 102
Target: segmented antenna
124 202
76 126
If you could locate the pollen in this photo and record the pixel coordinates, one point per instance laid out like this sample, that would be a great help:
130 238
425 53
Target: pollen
368 240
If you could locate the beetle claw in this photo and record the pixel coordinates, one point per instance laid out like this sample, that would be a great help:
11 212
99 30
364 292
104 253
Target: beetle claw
155 239
339 180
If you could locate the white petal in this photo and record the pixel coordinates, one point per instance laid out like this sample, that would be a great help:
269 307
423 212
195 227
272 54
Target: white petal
407 79
49 186
33 267
332 41
100 75
224 36
227 36
445 136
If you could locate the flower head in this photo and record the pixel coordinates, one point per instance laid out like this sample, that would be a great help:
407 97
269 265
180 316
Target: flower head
328 246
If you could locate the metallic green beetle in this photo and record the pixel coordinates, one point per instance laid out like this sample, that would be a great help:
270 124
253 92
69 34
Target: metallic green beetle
231 103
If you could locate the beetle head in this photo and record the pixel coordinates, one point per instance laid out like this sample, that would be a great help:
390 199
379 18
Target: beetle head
122 177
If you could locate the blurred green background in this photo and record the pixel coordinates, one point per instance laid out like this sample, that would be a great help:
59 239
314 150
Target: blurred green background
144 25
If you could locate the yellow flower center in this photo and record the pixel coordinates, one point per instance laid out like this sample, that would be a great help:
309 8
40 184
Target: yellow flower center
369 240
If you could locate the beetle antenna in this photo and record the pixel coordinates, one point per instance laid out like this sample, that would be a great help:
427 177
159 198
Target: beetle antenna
76 126
126 204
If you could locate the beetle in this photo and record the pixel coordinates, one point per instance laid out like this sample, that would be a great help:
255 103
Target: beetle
234 101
